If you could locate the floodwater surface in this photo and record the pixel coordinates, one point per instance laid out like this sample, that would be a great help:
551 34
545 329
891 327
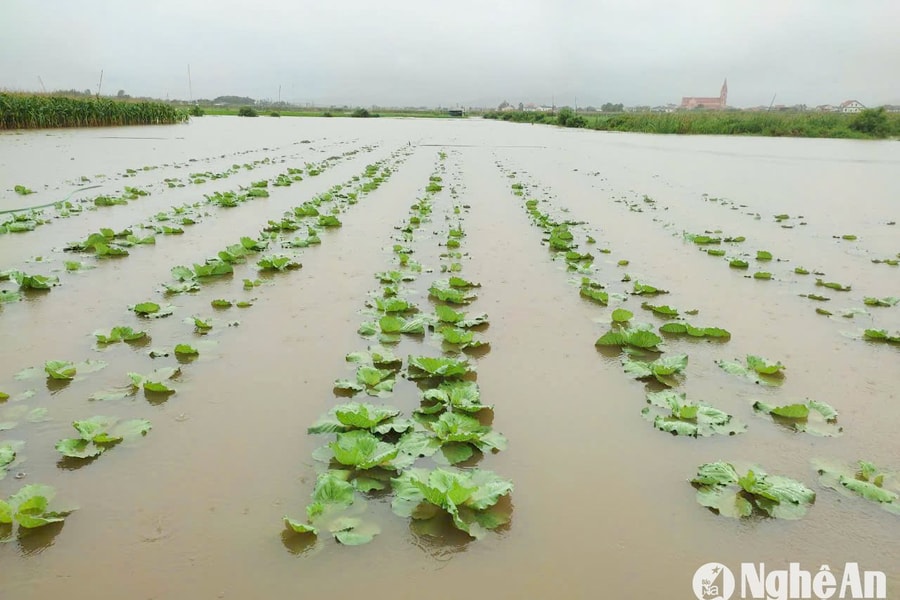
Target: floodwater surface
602 505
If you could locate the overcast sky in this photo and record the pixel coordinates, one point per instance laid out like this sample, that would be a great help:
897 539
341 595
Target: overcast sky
466 52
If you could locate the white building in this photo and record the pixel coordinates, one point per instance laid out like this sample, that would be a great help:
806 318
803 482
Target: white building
851 106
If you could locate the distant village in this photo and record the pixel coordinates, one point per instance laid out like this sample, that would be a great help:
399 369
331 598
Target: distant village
719 102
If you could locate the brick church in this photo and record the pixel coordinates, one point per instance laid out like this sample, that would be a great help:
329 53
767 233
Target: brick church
691 102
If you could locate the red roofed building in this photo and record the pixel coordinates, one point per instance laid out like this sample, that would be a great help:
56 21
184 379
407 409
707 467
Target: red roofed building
691 102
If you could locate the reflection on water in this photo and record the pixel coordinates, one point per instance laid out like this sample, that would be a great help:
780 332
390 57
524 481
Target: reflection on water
300 544
36 541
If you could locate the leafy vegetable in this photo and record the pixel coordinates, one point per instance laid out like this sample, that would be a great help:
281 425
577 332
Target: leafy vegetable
641 289
462 338
356 415
758 370
833 285
443 291
371 380
30 507
887 301
120 334
594 291
99 434
667 369
453 396
722 489
186 350
689 419
881 335
663 310
8 453
422 367
637 337
335 508
621 315
469 497
455 427
862 480
362 450
797 417
34 282
278 262
392 305
60 369
377 356
764 366
688 329
156 380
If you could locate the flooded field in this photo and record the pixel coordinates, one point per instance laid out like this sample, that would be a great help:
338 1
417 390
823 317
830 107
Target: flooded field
788 245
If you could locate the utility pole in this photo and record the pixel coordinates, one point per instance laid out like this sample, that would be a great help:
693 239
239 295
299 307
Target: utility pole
100 85
41 81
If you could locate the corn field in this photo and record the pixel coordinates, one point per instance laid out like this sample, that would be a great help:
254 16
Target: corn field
22 111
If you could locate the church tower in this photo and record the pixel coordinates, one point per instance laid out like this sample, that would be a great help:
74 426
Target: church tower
723 95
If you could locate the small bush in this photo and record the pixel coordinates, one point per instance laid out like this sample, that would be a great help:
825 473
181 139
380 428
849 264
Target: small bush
361 113
274 113
873 121
196 111
246 111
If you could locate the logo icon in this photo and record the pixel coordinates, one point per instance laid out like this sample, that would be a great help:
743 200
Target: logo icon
713 581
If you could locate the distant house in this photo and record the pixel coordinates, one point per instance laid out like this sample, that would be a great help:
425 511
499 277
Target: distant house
692 102
851 106
827 108
892 108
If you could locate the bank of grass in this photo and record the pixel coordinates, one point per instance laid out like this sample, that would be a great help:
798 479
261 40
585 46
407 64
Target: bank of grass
871 124
331 112
38 111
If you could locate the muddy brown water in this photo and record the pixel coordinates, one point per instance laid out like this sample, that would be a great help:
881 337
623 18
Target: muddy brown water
601 506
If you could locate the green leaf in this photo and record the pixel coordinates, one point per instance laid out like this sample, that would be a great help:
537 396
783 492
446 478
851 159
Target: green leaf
665 369
60 369
833 285
30 507
664 310
813 417
361 449
887 301
453 396
764 366
355 415
146 308
866 481
298 527
621 315
720 487
426 366
278 262
641 289
763 255
636 337
467 496
594 294
186 350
